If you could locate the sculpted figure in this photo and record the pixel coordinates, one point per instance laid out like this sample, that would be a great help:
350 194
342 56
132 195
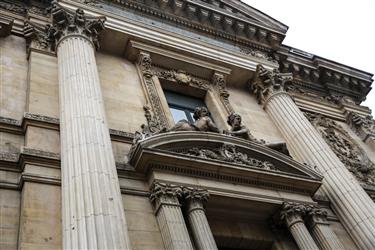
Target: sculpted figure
202 122
239 130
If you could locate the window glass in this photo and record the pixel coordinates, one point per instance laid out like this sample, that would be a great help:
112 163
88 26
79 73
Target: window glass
178 114
182 106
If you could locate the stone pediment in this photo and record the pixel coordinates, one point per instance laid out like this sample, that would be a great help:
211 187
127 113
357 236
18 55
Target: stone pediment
212 155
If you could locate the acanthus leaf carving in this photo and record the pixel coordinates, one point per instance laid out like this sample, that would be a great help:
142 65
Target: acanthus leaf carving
268 82
64 22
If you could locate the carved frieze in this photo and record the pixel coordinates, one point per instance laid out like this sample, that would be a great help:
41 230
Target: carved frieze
354 158
228 153
268 82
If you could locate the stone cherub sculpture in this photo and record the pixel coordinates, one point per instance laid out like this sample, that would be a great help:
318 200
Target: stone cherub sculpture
239 130
202 122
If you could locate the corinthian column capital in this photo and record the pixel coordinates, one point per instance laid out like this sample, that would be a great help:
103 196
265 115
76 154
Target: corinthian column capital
65 23
292 212
267 83
165 194
317 215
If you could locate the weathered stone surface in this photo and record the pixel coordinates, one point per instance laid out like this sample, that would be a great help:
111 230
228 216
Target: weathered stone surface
9 218
13 77
40 221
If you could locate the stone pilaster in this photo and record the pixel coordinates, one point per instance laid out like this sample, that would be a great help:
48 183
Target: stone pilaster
169 216
292 215
349 201
319 227
197 218
92 209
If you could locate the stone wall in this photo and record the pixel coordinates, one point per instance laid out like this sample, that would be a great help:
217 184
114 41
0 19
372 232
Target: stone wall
13 76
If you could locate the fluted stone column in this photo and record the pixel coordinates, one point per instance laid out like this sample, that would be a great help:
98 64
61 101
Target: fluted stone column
319 227
292 214
197 218
348 199
92 209
169 216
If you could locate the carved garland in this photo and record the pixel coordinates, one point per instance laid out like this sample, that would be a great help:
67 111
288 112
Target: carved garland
354 158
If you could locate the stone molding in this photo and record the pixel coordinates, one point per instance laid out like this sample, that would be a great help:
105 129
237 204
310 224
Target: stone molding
209 19
15 126
325 79
268 83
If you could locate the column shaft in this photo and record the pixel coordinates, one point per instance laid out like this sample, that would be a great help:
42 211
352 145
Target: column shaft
172 226
350 202
326 238
199 225
93 214
302 236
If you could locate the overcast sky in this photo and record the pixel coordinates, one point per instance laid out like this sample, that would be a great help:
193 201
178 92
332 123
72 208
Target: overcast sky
342 31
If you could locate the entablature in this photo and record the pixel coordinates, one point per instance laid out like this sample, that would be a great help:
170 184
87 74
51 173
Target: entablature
322 77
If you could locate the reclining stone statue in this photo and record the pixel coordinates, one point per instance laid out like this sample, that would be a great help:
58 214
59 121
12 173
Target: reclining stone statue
239 130
202 122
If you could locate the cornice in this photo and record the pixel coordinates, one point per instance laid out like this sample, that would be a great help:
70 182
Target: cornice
322 76
207 18
19 127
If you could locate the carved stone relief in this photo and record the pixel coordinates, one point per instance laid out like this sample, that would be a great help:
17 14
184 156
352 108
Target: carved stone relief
364 127
219 82
228 153
354 158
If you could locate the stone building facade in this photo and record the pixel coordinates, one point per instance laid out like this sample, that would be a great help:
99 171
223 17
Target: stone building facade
154 124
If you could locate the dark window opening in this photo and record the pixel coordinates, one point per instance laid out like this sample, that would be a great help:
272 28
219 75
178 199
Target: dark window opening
181 106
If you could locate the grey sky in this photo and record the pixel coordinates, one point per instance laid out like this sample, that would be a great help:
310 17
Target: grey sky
342 31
